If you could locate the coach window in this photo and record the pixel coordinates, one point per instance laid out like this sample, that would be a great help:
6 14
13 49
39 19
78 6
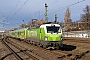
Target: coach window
22 33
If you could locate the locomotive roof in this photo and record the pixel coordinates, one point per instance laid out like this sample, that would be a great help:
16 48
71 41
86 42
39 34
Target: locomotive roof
20 30
49 25
43 25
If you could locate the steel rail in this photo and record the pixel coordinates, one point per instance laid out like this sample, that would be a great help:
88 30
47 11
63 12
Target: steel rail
24 51
13 52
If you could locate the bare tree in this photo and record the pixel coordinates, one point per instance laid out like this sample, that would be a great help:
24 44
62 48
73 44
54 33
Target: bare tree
85 18
67 20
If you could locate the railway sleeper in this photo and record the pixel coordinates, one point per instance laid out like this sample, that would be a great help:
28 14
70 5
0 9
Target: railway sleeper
80 55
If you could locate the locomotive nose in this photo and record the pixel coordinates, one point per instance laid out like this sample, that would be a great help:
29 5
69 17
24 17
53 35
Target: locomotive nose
55 37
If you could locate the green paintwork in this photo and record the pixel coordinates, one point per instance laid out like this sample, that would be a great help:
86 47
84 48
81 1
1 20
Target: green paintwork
54 37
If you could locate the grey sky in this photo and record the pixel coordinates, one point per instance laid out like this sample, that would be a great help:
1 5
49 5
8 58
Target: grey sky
15 11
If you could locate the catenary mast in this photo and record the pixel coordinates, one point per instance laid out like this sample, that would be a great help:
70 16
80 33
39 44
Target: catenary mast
46 13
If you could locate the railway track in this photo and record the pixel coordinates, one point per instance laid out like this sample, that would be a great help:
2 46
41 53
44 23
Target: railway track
70 55
12 51
82 45
78 40
60 54
24 50
7 43
38 53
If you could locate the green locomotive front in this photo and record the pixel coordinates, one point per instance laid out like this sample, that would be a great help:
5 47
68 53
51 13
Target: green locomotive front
52 35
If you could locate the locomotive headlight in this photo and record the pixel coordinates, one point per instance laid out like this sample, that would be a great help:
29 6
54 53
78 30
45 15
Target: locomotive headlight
46 38
61 38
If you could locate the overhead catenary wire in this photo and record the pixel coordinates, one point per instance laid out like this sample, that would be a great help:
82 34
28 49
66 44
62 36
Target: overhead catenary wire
20 8
16 11
14 8
67 6
58 9
4 18
1 13
54 2
1 21
42 11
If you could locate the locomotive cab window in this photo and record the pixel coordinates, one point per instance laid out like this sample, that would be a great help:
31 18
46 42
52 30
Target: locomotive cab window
53 29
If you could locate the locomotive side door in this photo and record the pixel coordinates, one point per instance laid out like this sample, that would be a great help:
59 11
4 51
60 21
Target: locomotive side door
40 34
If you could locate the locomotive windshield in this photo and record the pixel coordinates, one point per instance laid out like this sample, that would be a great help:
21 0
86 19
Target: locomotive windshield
53 29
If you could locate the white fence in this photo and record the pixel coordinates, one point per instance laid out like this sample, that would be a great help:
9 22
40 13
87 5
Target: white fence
81 34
